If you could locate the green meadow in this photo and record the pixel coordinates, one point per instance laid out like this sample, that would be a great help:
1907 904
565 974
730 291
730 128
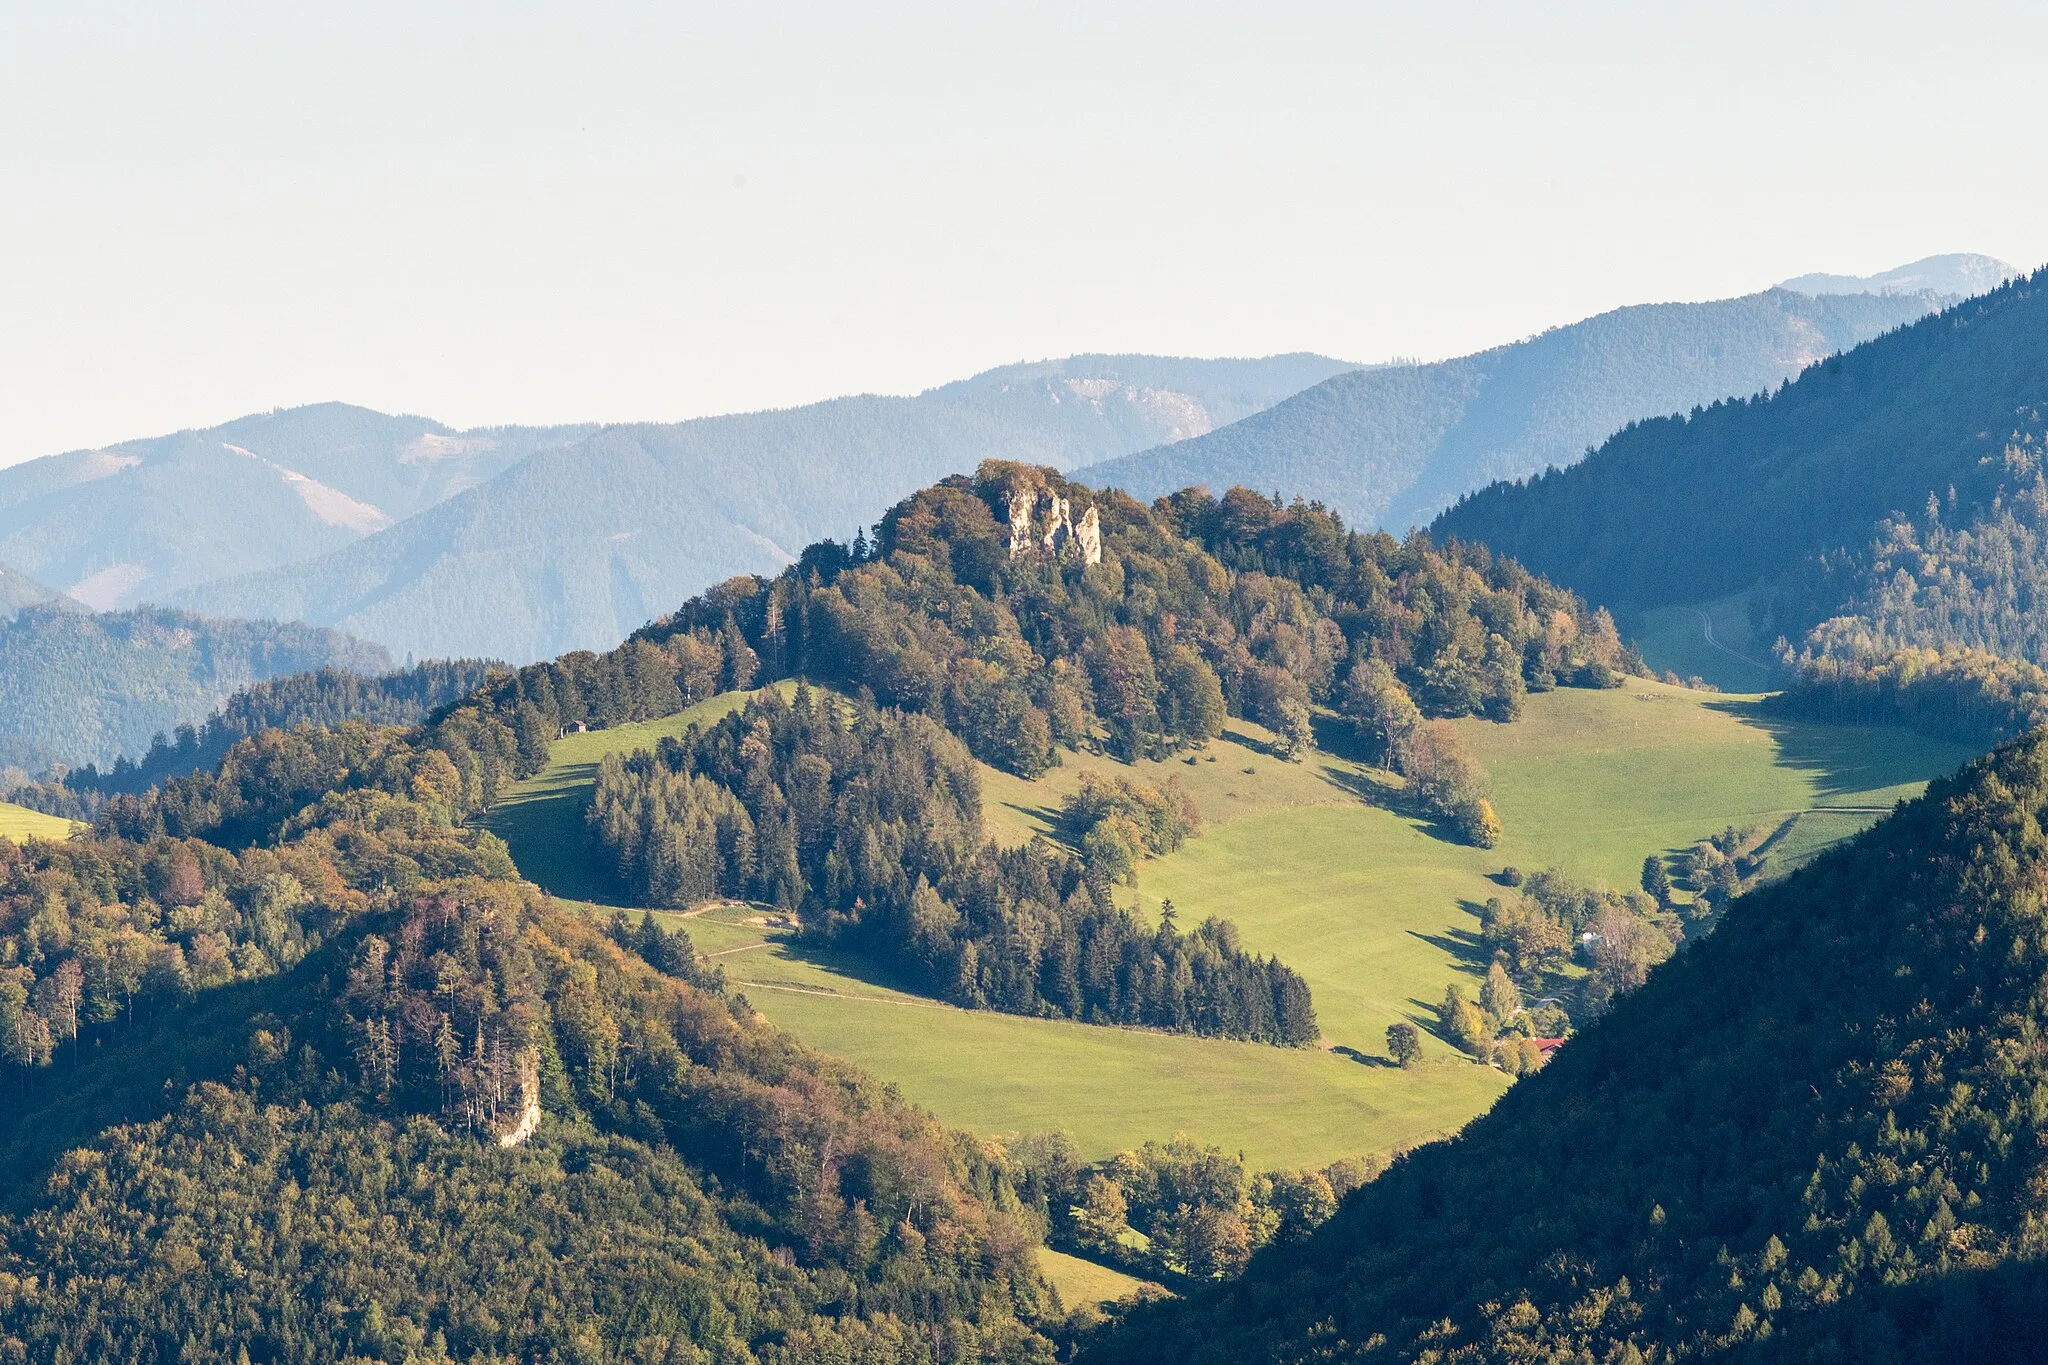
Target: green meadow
19 823
1080 1281
1710 641
1377 909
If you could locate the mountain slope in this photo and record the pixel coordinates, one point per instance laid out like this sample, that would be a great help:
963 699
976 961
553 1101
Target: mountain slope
1961 274
580 544
1393 445
1837 1095
82 687
356 1095
18 590
137 521
1896 483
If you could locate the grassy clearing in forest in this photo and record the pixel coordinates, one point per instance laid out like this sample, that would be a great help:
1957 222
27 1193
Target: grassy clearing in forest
1710 641
1377 909
1082 1281
542 817
19 823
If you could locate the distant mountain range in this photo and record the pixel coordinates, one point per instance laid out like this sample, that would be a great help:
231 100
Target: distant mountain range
1960 274
139 521
524 542
1895 494
1392 446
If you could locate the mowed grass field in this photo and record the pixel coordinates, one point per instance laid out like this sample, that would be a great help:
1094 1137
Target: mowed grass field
20 823
1376 909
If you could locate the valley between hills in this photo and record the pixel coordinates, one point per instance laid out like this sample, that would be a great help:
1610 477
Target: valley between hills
1377 909
1063 928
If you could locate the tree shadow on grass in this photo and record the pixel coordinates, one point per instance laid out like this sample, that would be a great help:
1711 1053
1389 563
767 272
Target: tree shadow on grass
1844 760
1422 1014
1046 818
1395 800
858 967
1265 748
1463 945
1364 1058
1339 738
547 837
1362 786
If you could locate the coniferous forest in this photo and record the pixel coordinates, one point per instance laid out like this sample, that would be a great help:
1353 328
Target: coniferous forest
868 824
1881 514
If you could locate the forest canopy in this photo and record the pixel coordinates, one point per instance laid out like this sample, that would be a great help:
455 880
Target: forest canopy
867 823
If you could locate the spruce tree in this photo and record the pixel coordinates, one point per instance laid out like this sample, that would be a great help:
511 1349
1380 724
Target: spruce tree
1656 880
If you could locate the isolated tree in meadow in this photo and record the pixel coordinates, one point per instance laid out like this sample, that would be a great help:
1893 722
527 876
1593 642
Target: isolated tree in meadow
1404 1044
1478 822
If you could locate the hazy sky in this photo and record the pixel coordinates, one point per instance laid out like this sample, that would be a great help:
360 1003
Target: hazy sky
518 213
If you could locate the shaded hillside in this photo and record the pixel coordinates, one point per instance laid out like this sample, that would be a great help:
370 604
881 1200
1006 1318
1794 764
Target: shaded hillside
137 521
326 697
1392 445
581 544
81 687
1898 485
1827 1109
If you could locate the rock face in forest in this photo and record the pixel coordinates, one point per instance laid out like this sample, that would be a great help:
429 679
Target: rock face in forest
1057 530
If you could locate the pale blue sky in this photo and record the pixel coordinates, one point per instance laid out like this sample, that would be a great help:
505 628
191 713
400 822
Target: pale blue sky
493 213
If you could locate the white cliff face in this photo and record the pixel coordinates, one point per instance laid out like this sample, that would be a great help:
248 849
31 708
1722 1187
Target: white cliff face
1022 501
1088 537
1059 523
1056 531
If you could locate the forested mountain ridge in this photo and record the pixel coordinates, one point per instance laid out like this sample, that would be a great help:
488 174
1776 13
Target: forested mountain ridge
1021 612
353 1094
1017 642
83 687
1895 485
325 697
1812 1136
1393 445
139 521
584 542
